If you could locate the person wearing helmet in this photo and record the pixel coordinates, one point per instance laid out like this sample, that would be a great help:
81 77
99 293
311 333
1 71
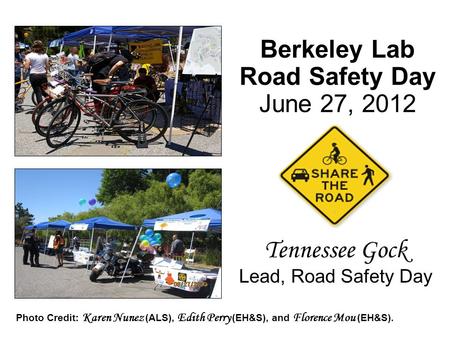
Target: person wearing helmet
335 152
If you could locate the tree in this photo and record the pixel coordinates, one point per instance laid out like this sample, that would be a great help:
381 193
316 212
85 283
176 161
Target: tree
116 182
204 190
158 200
28 34
22 218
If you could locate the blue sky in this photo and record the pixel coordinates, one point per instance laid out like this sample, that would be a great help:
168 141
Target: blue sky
49 192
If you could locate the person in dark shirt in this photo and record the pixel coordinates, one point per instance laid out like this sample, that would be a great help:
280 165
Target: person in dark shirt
18 64
104 65
34 251
177 247
147 82
26 245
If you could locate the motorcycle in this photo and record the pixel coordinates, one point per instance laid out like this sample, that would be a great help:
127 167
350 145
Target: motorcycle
114 263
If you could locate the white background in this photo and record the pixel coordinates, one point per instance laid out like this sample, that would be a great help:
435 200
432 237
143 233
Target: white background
257 205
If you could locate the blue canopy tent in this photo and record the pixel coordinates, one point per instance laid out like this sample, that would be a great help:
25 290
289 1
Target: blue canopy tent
163 31
96 35
56 225
23 45
214 216
56 43
101 222
60 224
106 34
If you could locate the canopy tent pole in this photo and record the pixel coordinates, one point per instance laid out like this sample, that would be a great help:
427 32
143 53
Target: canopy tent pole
92 238
90 249
171 54
190 246
95 42
46 244
61 47
131 254
110 40
180 36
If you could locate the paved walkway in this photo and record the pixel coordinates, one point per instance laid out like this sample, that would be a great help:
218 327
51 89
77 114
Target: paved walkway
71 281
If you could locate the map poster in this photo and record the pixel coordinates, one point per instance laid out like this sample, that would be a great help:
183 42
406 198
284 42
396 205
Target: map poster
205 52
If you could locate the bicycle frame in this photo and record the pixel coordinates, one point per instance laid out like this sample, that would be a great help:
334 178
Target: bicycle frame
23 89
103 100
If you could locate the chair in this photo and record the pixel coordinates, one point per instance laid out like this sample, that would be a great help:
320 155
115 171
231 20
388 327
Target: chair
188 253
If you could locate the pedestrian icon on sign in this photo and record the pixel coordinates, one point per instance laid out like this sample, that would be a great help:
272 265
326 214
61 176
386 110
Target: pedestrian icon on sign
369 173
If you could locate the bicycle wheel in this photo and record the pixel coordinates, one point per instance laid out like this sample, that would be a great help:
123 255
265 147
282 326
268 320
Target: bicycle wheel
152 116
327 160
342 160
44 113
63 126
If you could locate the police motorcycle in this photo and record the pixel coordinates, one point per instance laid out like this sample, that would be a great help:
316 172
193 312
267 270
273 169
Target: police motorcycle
114 263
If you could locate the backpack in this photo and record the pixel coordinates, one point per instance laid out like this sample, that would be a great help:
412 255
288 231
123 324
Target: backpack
100 60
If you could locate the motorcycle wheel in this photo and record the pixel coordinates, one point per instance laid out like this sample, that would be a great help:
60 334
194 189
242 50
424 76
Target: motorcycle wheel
94 275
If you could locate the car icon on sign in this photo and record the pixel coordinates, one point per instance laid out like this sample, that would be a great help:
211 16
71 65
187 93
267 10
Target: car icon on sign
300 174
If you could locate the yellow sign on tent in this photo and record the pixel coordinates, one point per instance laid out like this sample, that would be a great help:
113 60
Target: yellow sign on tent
147 51
334 175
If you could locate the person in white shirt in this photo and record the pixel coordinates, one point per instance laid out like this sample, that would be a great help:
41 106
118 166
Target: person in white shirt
73 61
37 63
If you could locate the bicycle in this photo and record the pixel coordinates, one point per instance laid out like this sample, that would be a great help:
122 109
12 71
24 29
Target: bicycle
327 160
44 112
25 87
129 114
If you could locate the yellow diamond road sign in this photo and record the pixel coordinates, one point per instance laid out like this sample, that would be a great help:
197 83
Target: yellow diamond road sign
334 175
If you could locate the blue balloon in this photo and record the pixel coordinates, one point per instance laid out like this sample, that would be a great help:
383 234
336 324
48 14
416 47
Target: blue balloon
155 242
149 233
157 236
143 238
173 180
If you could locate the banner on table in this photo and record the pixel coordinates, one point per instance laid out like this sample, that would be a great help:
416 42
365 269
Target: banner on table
147 51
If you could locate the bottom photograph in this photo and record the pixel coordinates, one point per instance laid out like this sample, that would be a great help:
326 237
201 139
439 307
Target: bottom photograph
118 233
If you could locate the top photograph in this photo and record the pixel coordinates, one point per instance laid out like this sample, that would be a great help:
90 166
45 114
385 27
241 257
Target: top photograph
118 90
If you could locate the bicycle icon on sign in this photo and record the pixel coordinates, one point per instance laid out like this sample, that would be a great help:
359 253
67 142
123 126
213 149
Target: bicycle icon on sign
327 160
334 157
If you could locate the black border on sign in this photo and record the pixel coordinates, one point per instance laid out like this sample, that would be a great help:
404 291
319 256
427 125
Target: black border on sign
307 150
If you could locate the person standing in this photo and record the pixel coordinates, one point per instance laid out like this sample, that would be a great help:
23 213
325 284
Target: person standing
73 61
37 63
26 245
177 247
18 63
34 250
76 243
58 246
